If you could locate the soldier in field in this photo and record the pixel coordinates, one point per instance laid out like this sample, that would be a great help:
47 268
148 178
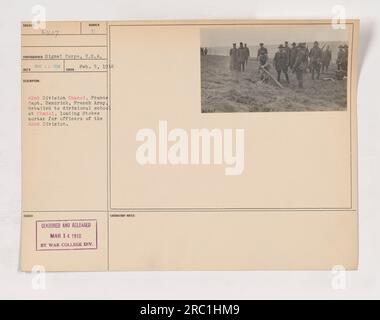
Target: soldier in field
315 60
263 67
281 63
247 54
293 55
342 59
326 59
287 49
345 48
308 68
233 57
300 63
261 50
241 57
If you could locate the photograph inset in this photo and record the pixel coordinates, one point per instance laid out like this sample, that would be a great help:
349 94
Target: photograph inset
269 69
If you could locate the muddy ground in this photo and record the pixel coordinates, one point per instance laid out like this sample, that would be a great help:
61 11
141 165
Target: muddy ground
226 91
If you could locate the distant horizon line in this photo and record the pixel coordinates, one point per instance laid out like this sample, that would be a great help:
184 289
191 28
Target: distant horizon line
274 44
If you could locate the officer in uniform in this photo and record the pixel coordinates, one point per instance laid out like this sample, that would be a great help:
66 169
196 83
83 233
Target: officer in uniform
315 60
345 61
241 57
261 50
307 59
300 63
287 49
263 65
340 58
293 54
281 63
233 57
247 54
326 59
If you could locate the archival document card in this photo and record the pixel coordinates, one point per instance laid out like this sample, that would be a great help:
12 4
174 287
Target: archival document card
189 145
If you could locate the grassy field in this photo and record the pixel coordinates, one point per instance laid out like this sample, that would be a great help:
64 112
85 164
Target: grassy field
226 91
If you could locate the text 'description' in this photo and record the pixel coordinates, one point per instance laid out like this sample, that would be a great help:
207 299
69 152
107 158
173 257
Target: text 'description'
54 235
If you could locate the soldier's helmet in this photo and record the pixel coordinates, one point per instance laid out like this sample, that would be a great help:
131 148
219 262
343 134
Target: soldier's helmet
261 44
316 43
294 44
281 46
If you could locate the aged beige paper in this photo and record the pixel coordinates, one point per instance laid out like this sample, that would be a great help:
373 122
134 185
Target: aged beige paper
162 146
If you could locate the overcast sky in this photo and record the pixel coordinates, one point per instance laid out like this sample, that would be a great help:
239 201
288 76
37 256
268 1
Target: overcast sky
252 35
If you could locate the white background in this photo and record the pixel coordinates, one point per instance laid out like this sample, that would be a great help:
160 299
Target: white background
191 285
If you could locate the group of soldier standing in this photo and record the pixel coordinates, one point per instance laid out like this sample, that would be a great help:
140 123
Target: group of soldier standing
239 57
204 51
298 58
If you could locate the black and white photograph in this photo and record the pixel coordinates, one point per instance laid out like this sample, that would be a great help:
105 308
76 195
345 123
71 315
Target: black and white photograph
274 68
